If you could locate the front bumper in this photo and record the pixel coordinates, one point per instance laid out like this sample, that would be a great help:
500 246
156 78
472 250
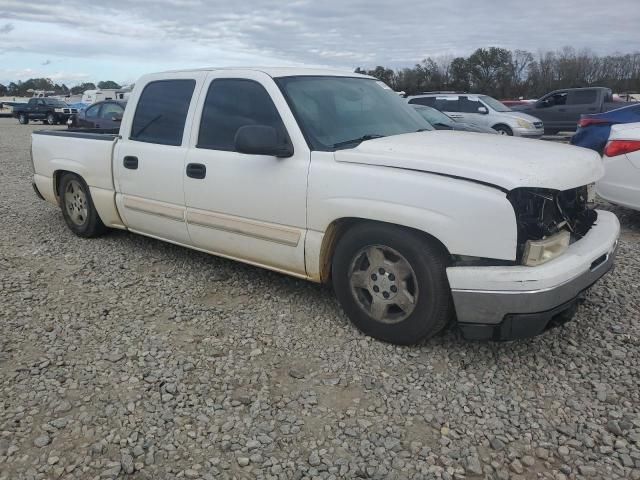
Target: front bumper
505 303
528 132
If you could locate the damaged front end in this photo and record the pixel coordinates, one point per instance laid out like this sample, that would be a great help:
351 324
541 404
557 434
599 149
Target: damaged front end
548 221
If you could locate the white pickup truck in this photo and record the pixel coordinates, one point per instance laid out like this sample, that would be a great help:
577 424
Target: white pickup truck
332 177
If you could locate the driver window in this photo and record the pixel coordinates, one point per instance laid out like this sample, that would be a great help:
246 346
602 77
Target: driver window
110 110
467 105
559 98
232 103
92 112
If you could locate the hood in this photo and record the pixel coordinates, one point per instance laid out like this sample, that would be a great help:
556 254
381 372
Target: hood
506 162
524 116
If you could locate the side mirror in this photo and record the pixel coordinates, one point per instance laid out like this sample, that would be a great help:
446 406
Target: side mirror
262 140
483 110
543 103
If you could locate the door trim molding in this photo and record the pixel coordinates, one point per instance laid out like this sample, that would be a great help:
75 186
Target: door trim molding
152 207
242 226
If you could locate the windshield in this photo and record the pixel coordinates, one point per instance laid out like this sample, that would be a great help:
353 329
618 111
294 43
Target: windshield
494 104
341 112
433 116
54 102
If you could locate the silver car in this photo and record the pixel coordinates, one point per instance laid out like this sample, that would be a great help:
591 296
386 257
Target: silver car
482 110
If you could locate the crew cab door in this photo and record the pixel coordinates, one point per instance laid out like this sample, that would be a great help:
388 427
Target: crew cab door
552 110
149 160
246 206
579 102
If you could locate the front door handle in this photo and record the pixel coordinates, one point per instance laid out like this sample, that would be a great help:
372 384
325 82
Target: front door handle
130 162
196 170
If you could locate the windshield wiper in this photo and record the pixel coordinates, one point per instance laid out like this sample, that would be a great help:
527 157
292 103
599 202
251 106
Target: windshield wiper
358 140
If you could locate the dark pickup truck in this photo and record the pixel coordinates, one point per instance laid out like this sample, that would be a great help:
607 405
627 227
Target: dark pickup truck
50 110
560 110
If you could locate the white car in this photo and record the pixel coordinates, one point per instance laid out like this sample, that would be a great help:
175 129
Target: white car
482 110
621 181
332 177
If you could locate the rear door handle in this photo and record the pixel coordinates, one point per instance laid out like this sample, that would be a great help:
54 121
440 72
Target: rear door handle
130 162
196 170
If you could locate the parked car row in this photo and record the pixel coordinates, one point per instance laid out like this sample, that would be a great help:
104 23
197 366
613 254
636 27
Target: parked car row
334 178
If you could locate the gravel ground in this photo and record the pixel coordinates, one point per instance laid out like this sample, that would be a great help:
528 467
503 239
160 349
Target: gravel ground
126 357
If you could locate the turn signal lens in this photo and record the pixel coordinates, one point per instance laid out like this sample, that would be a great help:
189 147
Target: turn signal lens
537 252
619 147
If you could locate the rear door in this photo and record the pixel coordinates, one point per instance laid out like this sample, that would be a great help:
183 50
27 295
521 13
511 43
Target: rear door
247 207
579 102
149 161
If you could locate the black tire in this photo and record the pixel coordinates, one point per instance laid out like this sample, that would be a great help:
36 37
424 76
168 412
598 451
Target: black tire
433 307
503 130
51 119
23 119
78 209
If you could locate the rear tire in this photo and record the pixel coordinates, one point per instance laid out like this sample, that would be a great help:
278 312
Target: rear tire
503 130
23 119
78 209
391 283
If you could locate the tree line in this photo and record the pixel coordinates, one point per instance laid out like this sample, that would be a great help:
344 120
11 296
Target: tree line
504 73
22 89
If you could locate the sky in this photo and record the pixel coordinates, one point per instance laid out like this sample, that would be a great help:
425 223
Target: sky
73 41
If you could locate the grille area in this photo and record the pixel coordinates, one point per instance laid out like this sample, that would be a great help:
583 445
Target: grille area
541 213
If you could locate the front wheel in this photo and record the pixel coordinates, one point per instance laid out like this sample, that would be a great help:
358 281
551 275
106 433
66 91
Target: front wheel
51 119
78 209
392 283
503 130
23 119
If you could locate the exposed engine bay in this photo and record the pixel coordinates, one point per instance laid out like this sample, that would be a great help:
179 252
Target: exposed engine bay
542 212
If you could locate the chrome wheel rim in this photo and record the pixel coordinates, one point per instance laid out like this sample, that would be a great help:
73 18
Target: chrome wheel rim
383 284
75 201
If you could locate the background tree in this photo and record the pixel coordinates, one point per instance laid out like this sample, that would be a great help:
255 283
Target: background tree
3 90
108 84
82 87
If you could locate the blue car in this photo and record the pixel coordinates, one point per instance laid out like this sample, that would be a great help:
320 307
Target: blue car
593 130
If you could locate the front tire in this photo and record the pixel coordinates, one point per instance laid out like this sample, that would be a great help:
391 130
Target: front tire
78 209
503 130
391 282
23 119
51 119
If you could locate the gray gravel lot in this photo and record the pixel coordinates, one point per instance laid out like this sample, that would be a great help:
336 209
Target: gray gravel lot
126 357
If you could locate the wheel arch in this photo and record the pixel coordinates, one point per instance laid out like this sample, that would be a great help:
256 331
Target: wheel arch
502 124
338 227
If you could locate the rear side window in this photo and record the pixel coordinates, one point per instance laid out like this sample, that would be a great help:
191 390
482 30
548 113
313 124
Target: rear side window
428 101
162 111
582 97
233 103
448 104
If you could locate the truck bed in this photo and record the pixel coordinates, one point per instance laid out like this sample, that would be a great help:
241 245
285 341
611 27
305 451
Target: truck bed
85 152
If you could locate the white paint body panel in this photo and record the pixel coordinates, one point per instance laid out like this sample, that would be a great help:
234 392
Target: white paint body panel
274 212
506 162
621 181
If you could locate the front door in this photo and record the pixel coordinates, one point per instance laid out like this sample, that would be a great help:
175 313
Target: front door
149 160
248 207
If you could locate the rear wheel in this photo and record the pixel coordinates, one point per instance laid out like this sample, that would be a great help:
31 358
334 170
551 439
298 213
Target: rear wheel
503 130
23 119
391 282
78 209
